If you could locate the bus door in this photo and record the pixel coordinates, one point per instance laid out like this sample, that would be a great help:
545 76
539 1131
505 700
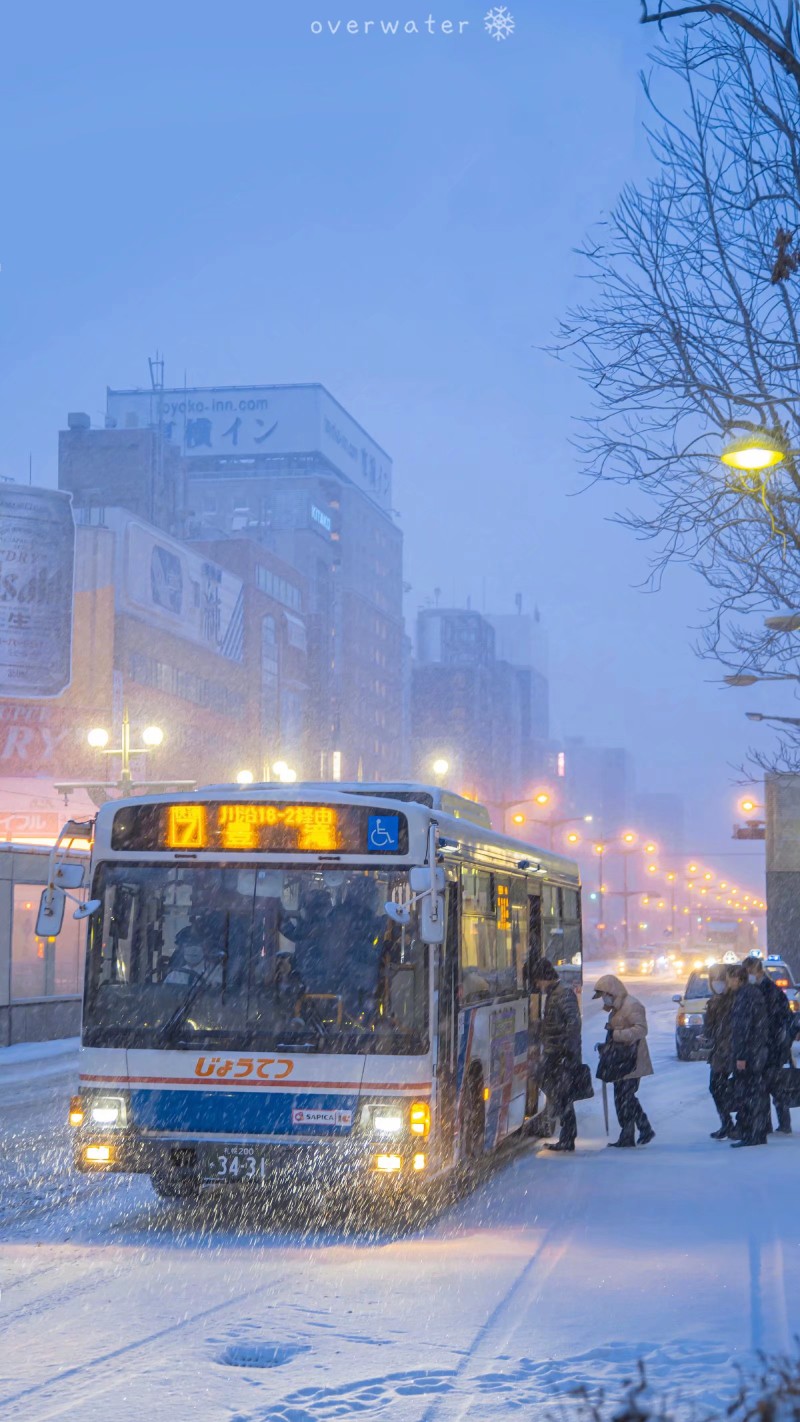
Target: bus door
535 950
446 1025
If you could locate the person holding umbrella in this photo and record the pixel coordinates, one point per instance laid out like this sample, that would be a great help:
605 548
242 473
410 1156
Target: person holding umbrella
627 1025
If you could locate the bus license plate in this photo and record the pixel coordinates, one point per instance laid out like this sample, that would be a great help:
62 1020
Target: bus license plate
241 1163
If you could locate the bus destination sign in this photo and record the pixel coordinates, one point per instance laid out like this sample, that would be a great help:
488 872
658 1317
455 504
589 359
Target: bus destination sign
248 826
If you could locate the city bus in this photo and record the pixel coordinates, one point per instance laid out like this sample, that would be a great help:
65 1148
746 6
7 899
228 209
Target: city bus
309 978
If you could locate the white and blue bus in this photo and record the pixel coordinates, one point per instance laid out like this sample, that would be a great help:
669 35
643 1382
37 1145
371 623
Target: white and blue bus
309 978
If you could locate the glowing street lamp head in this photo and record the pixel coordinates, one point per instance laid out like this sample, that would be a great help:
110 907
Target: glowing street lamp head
650 848
245 777
754 453
542 797
98 738
279 768
518 819
152 735
573 838
747 806
440 766
629 837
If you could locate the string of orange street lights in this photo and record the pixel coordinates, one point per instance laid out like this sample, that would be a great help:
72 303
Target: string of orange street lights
708 893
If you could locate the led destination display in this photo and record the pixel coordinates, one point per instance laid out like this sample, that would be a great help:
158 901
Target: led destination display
253 826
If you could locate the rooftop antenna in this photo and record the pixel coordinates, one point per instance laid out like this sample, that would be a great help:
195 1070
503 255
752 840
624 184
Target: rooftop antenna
437 592
30 469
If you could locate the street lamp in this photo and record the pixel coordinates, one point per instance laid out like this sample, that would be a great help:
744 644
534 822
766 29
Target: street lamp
750 679
440 767
152 736
755 452
784 622
245 777
786 720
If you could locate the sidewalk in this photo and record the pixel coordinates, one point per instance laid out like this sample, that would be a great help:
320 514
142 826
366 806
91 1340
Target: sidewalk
33 1060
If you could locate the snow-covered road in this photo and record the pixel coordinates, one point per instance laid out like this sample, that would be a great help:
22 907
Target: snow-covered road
558 1271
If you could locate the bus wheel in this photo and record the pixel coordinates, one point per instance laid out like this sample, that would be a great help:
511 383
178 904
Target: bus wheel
174 1185
473 1130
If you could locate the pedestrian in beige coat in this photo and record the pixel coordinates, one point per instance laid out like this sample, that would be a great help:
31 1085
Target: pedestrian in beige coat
627 1023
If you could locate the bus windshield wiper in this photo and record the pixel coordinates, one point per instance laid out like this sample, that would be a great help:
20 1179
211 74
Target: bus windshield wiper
177 1017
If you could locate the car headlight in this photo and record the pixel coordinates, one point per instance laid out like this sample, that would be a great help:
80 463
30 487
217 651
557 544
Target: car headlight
690 1019
110 1112
793 1006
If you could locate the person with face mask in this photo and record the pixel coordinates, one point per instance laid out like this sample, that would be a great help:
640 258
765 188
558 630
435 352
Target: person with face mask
780 1033
749 1048
717 1029
627 1022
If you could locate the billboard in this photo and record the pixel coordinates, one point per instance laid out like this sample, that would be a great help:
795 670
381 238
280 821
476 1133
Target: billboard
231 422
174 588
37 563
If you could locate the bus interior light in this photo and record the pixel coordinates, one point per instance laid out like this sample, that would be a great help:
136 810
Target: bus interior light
420 1118
387 1163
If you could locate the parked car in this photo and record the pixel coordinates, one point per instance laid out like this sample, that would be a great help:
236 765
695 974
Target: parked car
690 1018
783 977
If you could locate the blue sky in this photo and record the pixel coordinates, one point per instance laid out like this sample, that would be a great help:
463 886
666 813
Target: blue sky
396 217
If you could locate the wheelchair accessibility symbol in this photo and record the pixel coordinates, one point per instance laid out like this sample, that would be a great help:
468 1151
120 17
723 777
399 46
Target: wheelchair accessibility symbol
383 833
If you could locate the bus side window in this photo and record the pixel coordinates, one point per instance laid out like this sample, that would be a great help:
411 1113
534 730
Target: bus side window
571 943
520 930
534 930
478 935
505 961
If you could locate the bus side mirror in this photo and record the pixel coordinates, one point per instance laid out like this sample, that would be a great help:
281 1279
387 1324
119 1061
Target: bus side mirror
51 913
86 910
68 876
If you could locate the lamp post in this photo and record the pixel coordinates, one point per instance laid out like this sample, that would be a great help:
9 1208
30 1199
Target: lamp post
786 720
98 738
542 797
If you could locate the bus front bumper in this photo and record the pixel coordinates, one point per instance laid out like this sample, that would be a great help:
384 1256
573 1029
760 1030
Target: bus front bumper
228 1161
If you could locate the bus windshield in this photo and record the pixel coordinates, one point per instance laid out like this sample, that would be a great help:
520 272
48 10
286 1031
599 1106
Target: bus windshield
228 956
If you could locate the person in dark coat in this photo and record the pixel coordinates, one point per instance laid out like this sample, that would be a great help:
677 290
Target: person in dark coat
781 1031
717 1030
749 1045
561 1049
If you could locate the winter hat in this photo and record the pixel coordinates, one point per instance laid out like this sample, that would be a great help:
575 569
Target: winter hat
542 971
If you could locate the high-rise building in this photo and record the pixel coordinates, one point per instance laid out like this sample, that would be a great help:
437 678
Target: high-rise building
600 782
484 713
291 469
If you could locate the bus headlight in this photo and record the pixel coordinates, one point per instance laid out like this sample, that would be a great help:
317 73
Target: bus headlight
387 1124
111 1112
99 1154
420 1118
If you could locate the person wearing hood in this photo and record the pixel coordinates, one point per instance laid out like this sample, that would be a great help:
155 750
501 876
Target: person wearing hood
627 1023
561 1049
717 1029
750 1043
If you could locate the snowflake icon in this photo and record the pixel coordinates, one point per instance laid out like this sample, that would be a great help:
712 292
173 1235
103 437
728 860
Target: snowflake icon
499 23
